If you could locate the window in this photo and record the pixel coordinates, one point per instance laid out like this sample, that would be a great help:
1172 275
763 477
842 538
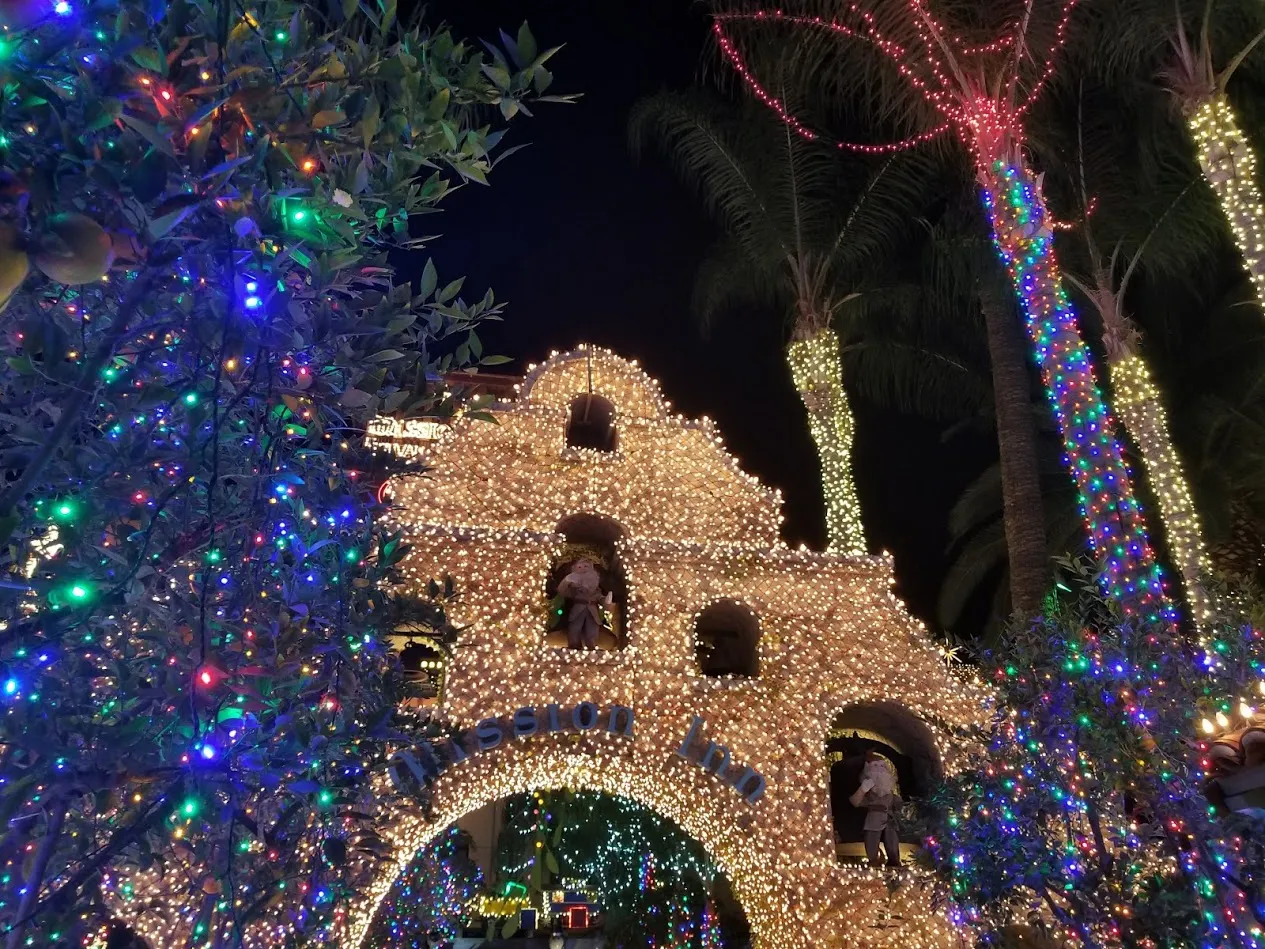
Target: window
591 423
423 663
727 640
594 538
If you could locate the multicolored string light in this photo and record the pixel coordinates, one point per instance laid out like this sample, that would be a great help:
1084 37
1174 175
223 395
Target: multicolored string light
955 79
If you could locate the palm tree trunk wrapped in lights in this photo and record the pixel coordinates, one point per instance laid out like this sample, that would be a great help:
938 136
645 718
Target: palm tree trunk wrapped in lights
1024 236
1137 402
1229 165
1138 406
1222 147
815 369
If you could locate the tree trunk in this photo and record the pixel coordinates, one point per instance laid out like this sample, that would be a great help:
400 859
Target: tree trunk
1230 166
1017 445
1024 236
818 375
1138 403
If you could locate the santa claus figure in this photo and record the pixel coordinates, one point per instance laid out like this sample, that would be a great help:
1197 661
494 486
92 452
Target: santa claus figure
582 588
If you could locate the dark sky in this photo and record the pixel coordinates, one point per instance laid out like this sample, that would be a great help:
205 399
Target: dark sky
588 246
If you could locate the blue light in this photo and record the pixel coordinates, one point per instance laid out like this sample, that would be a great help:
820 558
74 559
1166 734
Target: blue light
207 752
62 8
10 686
251 286
253 303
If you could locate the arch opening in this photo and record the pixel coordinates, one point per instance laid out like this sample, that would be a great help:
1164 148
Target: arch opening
591 423
425 664
894 739
552 861
727 640
587 606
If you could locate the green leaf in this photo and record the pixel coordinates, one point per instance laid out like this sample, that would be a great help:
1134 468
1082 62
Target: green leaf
450 291
370 120
328 117
499 75
349 8
384 355
494 360
388 14
152 135
149 58
437 108
429 279
526 44
22 365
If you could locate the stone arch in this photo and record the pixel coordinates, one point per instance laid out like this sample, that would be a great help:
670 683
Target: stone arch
767 898
726 637
897 734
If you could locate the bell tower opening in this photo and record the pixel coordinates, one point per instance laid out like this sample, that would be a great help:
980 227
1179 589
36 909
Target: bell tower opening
581 617
727 640
591 423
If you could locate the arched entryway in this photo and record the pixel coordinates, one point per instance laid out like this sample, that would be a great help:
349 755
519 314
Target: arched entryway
581 864
902 742
766 895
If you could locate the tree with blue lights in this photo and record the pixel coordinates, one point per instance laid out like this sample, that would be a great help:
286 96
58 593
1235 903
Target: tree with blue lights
1087 817
196 209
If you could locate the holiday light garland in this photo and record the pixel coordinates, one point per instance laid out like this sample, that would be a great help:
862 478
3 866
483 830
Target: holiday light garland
197 681
695 529
815 370
1089 811
1024 239
936 65
1229 165
1137 400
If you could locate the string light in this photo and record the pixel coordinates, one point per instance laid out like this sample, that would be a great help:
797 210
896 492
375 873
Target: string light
1229 165
1137 400
695 529
815 366
955 78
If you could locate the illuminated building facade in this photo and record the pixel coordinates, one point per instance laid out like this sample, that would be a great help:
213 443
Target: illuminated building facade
725 663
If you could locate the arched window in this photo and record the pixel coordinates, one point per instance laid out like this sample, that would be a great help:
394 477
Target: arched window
424 664
594 538
902 743
591 423
727 640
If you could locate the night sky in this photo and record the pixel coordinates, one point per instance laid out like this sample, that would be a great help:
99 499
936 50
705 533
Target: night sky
587 245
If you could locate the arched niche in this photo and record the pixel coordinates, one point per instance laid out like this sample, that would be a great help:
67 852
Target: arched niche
594 537
425 663
727 640
895 734
591 423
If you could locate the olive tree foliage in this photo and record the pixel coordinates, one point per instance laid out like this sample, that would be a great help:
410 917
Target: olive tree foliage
197 206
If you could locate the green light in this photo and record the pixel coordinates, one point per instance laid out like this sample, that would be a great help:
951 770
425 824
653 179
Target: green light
65 511
353 555
214 556
298 216
190 398
189 809
281 36
325 798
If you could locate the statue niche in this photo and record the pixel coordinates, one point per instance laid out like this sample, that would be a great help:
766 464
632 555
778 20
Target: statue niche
587 593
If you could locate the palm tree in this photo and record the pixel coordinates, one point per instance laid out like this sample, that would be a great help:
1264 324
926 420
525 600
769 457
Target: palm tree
790 242
1222 146
977 82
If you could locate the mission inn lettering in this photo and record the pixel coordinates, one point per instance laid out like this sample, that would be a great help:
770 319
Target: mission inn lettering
422 763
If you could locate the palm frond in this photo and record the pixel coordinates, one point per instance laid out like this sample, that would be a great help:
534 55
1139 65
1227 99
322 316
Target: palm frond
730 279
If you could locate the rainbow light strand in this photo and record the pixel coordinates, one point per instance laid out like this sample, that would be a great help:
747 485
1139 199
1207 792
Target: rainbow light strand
1094 457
